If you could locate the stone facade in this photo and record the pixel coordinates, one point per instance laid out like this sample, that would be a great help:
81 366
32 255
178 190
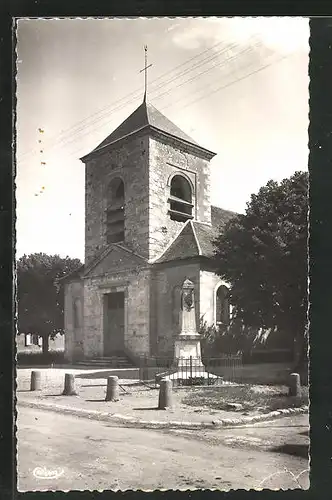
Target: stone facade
135 285
147 269
167 160
209 284
74 305
167 311
128 161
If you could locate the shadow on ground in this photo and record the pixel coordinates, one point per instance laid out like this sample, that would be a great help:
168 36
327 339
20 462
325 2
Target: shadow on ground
94 385
150 408
96 400
59 394
106 374
297 450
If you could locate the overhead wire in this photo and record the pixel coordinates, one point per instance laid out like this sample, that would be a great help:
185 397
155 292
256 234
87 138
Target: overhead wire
125 104
171 80
237 81
224 62
207 94
138 91
125 98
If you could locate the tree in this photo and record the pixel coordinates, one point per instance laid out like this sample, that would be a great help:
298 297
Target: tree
262 254
40 295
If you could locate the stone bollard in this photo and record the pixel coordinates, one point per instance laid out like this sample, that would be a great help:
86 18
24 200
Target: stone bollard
35 384
294 385
165 394
112 391
69 389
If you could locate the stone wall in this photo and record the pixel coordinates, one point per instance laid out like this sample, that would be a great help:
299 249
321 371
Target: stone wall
74 340
165 160
136 286
129 161
167 312
152 304
209 283
146 166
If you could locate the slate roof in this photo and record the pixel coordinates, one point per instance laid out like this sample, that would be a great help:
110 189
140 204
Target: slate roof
146 116
220 216
196 239
185 245
73 275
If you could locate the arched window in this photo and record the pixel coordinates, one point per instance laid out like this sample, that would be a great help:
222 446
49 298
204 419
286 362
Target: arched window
223 307
180 200
115 211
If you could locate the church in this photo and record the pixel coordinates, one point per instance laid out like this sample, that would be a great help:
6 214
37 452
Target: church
149 226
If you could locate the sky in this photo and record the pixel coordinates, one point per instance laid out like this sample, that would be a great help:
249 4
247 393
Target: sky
237 86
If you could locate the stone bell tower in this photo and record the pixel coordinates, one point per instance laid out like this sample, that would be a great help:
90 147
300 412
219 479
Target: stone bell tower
143 182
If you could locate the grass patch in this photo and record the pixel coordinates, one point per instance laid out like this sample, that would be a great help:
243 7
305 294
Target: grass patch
251 397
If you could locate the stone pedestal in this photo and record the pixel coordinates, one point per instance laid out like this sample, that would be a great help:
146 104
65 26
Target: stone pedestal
187 348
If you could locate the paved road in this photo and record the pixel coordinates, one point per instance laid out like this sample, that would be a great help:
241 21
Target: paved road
88 454
290 434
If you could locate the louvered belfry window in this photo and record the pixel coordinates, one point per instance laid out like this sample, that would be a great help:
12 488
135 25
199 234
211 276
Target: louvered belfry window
115 212
180 200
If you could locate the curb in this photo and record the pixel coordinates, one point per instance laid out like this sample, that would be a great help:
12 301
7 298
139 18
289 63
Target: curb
154 424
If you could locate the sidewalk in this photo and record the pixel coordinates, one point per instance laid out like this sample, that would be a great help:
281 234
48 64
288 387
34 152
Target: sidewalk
137 406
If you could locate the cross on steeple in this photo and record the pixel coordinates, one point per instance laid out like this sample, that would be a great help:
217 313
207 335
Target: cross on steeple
145 69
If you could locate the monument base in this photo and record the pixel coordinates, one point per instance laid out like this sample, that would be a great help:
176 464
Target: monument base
188 364
195 375
188 348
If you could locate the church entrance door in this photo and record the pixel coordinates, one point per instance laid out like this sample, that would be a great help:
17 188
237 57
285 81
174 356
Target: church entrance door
113 323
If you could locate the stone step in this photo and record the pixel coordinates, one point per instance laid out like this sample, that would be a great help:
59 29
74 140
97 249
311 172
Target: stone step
104 363
112 358
107 362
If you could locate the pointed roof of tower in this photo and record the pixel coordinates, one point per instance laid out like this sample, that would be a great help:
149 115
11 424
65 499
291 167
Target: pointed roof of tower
147 116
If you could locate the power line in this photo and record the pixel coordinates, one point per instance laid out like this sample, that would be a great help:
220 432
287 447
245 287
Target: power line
72 139
234 82
239 80
205 88
128 101
134 93
248 50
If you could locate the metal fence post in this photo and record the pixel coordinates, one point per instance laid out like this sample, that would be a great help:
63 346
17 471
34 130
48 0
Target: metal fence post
144 370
